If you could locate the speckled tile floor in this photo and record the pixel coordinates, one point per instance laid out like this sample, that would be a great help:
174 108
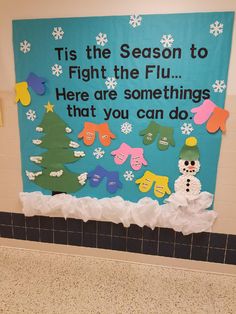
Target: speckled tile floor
39 282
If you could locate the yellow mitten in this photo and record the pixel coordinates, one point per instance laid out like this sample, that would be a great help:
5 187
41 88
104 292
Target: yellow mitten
22 93
146 182
161 186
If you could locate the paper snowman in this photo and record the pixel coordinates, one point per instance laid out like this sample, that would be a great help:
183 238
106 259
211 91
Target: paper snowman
189 166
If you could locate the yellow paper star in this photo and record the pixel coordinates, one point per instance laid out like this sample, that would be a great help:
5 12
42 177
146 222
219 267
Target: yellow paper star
49 107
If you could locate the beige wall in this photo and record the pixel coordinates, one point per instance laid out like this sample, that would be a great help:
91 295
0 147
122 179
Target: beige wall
10 169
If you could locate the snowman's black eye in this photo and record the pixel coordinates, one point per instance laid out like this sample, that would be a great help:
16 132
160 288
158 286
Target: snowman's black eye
186 163
192 163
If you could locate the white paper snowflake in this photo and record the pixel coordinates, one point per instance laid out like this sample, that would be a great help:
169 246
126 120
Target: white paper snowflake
111 83
126 128
39 129
98 153
57 33
216 28
167 41
135 20
219 86
79 153
82 178
73 144
56 70
187 128
25 46
128 175
31 115
36 142
101 39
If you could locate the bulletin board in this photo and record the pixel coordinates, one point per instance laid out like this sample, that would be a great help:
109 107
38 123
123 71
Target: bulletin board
123 109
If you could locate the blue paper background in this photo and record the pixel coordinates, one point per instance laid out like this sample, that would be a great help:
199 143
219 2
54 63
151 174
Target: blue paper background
186 29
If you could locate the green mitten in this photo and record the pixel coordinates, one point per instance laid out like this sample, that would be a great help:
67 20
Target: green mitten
166 137
150 133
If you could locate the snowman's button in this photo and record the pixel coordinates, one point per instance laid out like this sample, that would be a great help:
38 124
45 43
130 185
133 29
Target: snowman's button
188 180
187 190
187 184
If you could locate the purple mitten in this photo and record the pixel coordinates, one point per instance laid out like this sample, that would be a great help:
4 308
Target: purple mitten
96 176
203 112
36 83
121 154
113 181
137 159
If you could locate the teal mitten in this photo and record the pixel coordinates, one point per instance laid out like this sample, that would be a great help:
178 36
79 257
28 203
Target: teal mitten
165 138
150 133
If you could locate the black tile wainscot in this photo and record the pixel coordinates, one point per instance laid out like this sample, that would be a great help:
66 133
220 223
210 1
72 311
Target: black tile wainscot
205 246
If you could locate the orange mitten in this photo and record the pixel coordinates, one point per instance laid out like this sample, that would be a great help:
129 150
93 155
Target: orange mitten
89 133
217 120
105 134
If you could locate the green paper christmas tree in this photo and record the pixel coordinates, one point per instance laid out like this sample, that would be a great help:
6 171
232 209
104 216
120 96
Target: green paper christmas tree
54 175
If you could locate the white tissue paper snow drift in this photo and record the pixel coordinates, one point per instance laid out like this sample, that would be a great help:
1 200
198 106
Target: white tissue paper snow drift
185 213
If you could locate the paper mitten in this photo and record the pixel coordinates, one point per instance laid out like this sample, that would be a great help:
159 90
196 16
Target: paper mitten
203 112
137 160
146 181
217 120
121 154
150 133
161 186
36 83
165 138
89 133
113 181
105 134
22 93
96 176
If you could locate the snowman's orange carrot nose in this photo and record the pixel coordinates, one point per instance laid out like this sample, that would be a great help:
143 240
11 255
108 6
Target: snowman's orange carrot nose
191 167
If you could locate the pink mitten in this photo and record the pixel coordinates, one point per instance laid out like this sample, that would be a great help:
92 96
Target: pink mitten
121 154
203 112
137 159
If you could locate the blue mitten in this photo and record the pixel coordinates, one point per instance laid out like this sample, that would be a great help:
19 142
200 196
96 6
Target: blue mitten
113 182
36 83
96 176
